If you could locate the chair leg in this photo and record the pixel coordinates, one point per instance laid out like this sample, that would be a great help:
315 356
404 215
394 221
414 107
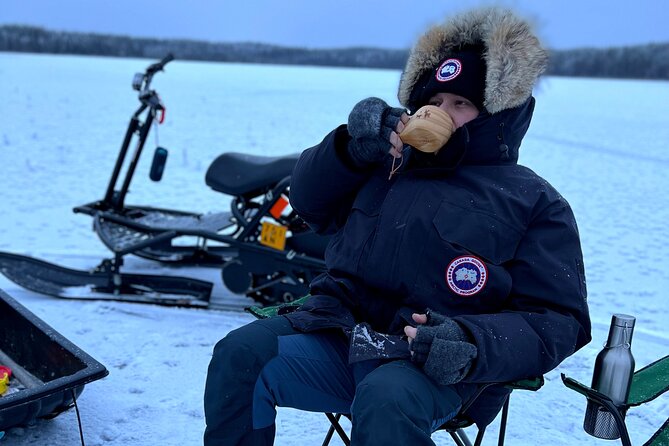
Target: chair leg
502 425
479 437
334 424
460 437
328 436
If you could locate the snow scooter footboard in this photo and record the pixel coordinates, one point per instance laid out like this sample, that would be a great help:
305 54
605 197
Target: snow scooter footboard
103 283
136 230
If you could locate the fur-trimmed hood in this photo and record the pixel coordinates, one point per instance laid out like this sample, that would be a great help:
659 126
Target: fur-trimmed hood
514 56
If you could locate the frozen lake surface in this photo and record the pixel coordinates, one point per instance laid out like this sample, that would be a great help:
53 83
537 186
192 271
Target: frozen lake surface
601 143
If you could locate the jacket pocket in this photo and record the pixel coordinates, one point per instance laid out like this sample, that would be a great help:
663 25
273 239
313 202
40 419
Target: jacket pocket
353 241
459 231
479 232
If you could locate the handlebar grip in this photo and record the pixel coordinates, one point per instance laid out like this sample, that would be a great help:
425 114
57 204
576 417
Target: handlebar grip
166 60
158 66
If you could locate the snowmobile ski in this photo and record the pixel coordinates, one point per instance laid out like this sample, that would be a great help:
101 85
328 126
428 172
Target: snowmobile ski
104 283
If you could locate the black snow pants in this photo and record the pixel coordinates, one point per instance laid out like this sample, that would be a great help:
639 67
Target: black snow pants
267 363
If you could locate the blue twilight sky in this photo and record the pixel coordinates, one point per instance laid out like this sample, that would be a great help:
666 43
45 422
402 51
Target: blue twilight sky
339 23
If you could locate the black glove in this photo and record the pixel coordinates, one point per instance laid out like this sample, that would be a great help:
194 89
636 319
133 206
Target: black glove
443 349
370 124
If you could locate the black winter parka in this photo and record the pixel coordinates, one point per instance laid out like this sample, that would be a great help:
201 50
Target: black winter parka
468 233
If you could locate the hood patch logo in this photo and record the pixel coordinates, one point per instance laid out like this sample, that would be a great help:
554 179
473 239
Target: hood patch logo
466 275
449 70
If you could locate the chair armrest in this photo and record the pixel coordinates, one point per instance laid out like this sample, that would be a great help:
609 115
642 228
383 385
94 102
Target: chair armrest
586 391
532 384
276 310
618 413
649 382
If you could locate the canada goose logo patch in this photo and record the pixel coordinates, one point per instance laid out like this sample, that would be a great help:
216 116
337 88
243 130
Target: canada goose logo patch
449 70
466 275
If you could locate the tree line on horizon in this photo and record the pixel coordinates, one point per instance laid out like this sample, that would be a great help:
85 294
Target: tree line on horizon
650 61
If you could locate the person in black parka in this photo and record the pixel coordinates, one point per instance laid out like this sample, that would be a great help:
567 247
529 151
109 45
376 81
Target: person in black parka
462 267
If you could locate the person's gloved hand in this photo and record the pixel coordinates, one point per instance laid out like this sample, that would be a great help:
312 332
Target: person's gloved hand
374 127
441 347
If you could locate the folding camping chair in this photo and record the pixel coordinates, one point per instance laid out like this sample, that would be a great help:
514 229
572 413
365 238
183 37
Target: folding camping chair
647 384
455 426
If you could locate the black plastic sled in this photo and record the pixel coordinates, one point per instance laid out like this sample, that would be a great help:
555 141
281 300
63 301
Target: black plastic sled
48 371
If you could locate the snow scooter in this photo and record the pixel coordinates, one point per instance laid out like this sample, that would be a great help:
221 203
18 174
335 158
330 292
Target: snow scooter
264 249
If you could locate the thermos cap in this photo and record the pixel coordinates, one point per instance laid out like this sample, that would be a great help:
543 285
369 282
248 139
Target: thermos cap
623 320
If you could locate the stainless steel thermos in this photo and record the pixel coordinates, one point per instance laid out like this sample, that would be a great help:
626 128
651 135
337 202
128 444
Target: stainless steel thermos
612 376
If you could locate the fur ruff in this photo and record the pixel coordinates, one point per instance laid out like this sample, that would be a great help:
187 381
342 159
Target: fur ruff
514 56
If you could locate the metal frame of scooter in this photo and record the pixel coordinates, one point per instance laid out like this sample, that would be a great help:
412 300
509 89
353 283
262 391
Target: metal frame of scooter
111 207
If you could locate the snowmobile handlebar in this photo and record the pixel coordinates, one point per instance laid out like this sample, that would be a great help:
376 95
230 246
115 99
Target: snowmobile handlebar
154 68
142 81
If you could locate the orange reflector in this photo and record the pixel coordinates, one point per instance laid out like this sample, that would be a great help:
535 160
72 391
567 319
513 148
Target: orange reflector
279 206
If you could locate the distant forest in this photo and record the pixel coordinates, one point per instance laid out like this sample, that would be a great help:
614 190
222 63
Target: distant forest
649 61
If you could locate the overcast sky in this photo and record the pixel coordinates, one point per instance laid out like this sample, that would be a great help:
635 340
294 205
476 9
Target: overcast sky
339 23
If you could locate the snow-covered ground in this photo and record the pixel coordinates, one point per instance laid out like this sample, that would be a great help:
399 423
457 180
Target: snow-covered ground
602 143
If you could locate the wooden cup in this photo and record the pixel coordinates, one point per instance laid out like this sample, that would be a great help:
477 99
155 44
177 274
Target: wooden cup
428 129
